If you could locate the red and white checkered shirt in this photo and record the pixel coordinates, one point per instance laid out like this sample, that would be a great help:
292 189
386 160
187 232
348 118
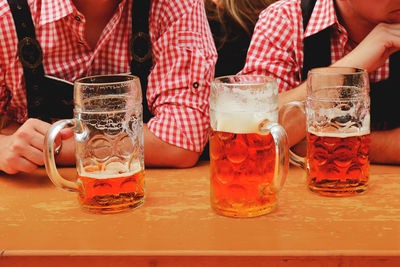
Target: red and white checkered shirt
276 48
183 61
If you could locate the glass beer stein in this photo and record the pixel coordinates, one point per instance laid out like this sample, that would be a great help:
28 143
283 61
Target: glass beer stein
338 131
108 131
248 148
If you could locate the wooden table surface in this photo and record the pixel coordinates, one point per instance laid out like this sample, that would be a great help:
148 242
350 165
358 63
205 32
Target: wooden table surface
177 227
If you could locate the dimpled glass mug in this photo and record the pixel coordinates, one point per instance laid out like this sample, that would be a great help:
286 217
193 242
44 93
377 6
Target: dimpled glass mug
248 148
108 130
338 131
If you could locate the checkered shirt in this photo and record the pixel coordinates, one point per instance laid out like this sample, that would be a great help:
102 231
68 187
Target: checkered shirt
276 49
183 61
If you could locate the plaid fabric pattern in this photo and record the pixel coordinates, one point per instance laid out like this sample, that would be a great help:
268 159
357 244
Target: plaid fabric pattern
276 49
183 61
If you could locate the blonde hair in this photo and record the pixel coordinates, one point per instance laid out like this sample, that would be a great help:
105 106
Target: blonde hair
243 12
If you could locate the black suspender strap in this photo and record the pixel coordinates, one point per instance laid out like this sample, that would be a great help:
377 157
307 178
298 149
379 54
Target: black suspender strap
307 7
30 55
48 98
317 47
384 103
140 45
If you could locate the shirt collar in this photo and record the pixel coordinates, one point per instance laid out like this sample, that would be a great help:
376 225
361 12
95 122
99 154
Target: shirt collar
322 17
51 11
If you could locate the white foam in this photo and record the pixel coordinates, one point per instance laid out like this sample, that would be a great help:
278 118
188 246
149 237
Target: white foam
240 122
106 175
339 134
112 170
241 110
240 100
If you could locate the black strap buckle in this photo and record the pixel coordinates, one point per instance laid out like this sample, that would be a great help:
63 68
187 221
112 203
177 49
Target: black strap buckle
140 45
30 53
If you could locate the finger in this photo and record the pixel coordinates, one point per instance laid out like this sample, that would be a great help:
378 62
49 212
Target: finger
36 140
20 164
32 132
389 33
38 125
27 166
393 26
34 155
66 133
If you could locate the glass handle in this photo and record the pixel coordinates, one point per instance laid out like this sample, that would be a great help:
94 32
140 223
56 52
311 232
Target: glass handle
282 151
49 158
293 157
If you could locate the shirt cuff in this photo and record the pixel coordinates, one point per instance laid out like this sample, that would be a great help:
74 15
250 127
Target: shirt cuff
180 126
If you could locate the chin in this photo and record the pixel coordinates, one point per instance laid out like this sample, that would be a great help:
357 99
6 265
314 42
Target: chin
394 17
393 21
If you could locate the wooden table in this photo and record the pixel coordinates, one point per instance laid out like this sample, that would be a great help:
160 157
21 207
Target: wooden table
44 226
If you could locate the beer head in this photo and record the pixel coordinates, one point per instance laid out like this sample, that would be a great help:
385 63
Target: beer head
238 104
111 169
240 122
338 134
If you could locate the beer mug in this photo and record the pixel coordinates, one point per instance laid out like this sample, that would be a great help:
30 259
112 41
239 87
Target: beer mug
338 131
248 148
108 131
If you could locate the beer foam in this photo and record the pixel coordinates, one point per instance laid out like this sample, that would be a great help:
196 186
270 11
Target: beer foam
111 170
239 122
239 100
107 175
339 134
241 110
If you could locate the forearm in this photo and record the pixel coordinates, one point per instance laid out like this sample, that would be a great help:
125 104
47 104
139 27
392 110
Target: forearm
290 117
385 147
158 153
298 93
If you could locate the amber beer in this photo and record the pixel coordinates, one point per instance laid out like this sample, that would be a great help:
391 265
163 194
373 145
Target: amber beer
242 171
338 165
109 195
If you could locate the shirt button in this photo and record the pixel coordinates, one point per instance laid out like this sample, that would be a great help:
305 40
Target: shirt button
77 18
81 42
195 85
37 102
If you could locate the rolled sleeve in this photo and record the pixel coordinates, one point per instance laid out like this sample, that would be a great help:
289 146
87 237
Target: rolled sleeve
184 57
5 97
276 45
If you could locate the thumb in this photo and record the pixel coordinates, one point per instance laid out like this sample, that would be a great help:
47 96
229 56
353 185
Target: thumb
66 133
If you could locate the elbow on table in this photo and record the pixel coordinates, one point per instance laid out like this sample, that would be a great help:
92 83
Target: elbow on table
158 153
172 157
184 159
